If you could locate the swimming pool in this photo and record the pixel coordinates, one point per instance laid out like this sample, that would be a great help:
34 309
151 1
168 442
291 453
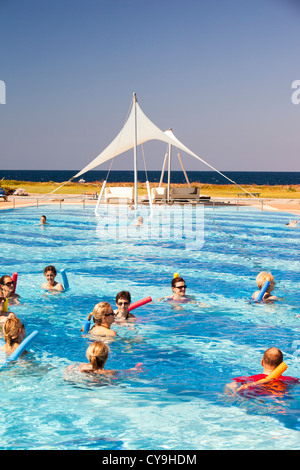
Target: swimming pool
188 355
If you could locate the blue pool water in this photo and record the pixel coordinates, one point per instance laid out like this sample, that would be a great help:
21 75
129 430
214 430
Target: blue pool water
177 401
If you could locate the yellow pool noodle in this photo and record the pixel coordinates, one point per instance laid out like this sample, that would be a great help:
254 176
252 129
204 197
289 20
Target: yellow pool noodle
276 373
176 275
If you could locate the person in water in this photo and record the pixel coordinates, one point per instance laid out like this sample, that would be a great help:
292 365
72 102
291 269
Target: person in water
4 313
43 220
271 359
8 286
103 317
14 333
179 296
97 354
261 278
138 222
51 284
123 300
292 223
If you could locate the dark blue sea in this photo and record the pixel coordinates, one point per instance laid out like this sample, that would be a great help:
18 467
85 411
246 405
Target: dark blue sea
207 177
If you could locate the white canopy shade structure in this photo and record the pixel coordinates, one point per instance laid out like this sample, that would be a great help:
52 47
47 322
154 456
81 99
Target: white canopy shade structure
139 129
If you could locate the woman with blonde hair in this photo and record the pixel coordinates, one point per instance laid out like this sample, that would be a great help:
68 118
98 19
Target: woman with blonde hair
261 278
103 317
14 333
97 355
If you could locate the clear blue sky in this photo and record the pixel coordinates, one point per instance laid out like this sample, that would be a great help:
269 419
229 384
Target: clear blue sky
217 72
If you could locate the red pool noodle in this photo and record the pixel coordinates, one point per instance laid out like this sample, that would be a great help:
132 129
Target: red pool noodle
138 303
15 278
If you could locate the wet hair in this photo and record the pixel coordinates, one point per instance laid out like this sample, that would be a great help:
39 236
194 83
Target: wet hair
262 277
124 294
50 268
2 279
1 292
175 280
99 311
97 354
11 329
273 357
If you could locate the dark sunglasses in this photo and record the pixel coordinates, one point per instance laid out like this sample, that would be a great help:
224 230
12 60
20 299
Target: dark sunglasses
2 299
109 314
181 287
10 283
123 303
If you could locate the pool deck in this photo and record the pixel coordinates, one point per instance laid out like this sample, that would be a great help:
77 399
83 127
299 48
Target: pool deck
291 206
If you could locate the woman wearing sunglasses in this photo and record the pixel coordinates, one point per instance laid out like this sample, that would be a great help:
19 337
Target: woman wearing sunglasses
8 286
123 300
103 317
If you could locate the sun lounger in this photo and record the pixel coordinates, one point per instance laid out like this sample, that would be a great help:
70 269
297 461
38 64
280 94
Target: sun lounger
184 193
158 194
119 194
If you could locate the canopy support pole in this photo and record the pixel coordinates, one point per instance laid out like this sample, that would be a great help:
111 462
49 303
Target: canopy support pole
149 197
183 169
135 155
100 197
169 172
163 171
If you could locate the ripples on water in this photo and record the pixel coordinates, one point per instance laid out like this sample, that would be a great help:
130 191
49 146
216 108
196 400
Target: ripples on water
188 354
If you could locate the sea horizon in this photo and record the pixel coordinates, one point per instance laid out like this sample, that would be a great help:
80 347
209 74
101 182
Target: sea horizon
270 178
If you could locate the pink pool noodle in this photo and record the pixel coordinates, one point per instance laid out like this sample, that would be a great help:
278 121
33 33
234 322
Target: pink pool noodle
138 303
15 278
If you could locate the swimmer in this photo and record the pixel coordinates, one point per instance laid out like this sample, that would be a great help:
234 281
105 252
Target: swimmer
43 220
261 278
14 334
272 358
8 286
179 287
97 354
3 314
123 300
138 222
179 295
51 284
103 317
292 223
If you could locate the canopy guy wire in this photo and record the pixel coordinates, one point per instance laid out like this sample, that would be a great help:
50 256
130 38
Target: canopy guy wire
71 179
